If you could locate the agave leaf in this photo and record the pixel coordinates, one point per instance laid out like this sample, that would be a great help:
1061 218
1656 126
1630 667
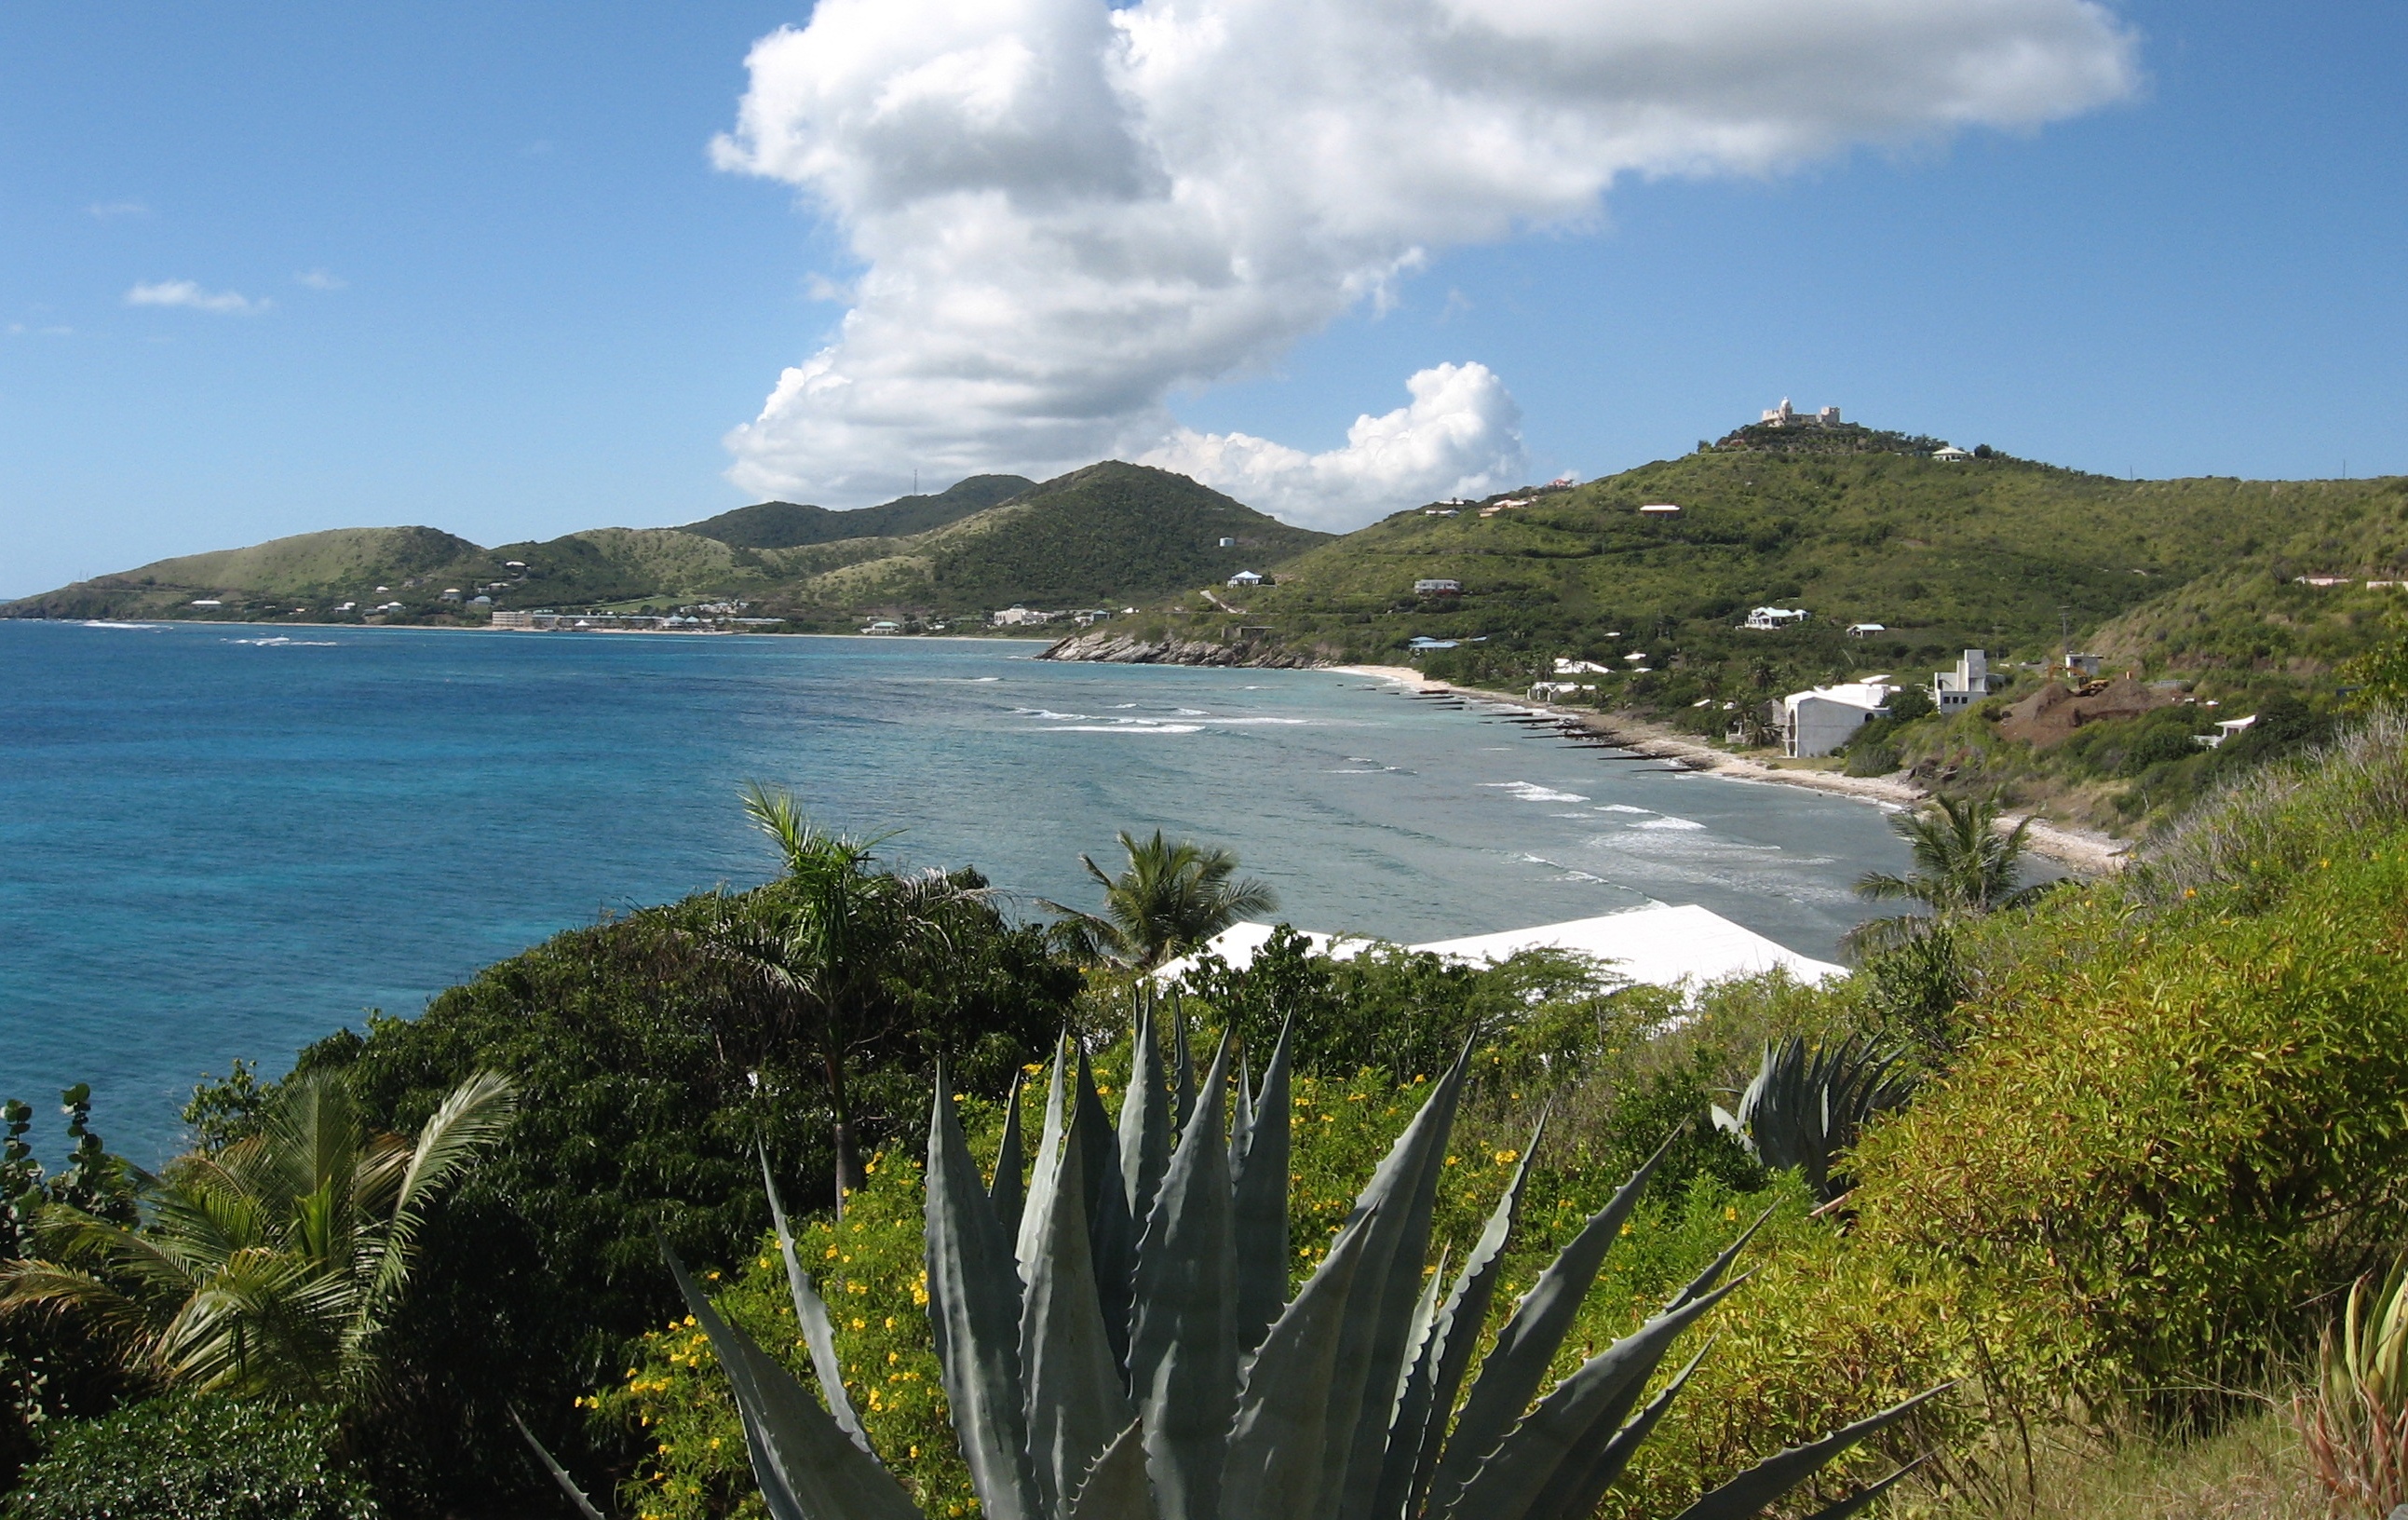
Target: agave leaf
1285 1424
1394 1210
1242 1117
974 1297
1552 1446
1038 1206
811 1317
1145 1117
1183 1052
1261 1185
1748 1494
1862 1499
1720 1265
1008 1190
559 1474
1116 1488
1111 1234
808 1468
1456 1333
1183 1343
1576 1493
1412 1414
1511 1371
1075 1400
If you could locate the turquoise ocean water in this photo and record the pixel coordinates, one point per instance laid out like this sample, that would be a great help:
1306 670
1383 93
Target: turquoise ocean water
227 841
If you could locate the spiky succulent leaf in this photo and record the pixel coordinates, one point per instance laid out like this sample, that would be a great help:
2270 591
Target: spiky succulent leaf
559 1474
1394 1210
974 1303
808 1468
1279 1442
1549 1450
1456 1332
1145 1116
1747 1495
1261 1186
811 1317
1112 1233
1863 1498
1808 1103
1038 1204
1516 1363
1578 1489
1075 1400
1412 1420
1008 1190
1117 1488
1183 1047
1183 1343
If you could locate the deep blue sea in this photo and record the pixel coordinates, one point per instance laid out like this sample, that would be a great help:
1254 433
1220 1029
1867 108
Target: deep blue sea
226 841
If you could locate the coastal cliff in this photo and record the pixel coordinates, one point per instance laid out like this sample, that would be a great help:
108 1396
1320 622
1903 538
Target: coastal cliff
1122 649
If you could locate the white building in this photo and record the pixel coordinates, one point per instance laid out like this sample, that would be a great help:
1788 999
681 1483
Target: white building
1566 665
1954 691
1245 578
1659 508
1865 630
1782 416
1685 947
1765 619
1948 453
1017 616
1819 721
1438 586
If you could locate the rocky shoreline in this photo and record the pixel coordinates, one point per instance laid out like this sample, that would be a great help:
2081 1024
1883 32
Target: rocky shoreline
1123 649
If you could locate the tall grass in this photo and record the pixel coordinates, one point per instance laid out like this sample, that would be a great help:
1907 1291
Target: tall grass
2279 819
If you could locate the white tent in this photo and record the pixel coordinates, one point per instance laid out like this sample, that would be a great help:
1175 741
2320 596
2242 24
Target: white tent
1663 946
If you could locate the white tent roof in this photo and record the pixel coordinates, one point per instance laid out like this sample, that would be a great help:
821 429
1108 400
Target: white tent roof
1663 946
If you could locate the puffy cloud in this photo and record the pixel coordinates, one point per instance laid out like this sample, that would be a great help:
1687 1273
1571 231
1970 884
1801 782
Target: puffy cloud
1461 435
184 293
1065 212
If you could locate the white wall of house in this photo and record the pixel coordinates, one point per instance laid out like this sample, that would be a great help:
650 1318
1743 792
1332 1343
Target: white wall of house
1820 721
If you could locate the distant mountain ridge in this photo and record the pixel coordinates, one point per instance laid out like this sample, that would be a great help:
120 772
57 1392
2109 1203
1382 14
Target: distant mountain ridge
785 524
1105 534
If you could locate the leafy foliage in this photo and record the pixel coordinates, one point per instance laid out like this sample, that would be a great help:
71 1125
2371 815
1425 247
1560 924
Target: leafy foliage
272 1265
2354 1419
1964 867
1169 898
1809 1103
195 1458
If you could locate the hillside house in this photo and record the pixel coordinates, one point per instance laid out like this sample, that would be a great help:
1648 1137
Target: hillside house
1865 630
1568 667
1244 579
1819 721
1659 508
1948 453
1954 691
1438 586
1017 616
1228 543
1767 619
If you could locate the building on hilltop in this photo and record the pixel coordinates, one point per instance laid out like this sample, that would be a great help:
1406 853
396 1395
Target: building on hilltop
1767 619
1782 416
1438 586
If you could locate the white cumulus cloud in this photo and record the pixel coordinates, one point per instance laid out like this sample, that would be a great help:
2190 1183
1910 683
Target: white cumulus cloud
1460 436
1063 212
185 292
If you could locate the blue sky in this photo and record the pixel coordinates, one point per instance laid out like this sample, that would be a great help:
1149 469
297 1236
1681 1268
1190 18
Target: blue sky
480 267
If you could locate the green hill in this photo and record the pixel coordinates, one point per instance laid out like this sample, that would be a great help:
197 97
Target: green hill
783 524
1995 552
306 567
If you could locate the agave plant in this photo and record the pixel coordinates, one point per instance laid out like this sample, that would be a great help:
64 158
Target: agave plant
1809 1102
1119 1344
2353 1422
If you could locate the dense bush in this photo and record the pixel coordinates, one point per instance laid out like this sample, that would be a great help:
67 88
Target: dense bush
648 1091
194 1459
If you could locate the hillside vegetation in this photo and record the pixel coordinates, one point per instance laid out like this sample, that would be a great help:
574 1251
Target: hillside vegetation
782 525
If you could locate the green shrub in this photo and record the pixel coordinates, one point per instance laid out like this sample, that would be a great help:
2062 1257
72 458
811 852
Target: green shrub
1875 759
194 1459
2185 1128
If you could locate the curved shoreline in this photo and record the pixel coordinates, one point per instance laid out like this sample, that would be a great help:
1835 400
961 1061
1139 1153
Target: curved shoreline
2081 849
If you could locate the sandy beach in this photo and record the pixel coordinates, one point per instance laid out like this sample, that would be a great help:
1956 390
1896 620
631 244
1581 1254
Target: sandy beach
2083 850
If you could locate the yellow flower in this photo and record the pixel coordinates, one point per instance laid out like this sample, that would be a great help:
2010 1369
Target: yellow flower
860 1324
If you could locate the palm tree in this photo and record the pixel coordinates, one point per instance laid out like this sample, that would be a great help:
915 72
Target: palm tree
272 1265
1965 867
1171 899
821 951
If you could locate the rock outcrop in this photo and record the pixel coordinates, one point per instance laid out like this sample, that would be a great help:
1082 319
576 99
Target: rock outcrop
1122 649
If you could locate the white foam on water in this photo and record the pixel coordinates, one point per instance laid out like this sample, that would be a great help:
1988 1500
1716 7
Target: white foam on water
1533 791
1189 712
1243 723
137 627
1126 729
281 642
1621 807
1667 823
